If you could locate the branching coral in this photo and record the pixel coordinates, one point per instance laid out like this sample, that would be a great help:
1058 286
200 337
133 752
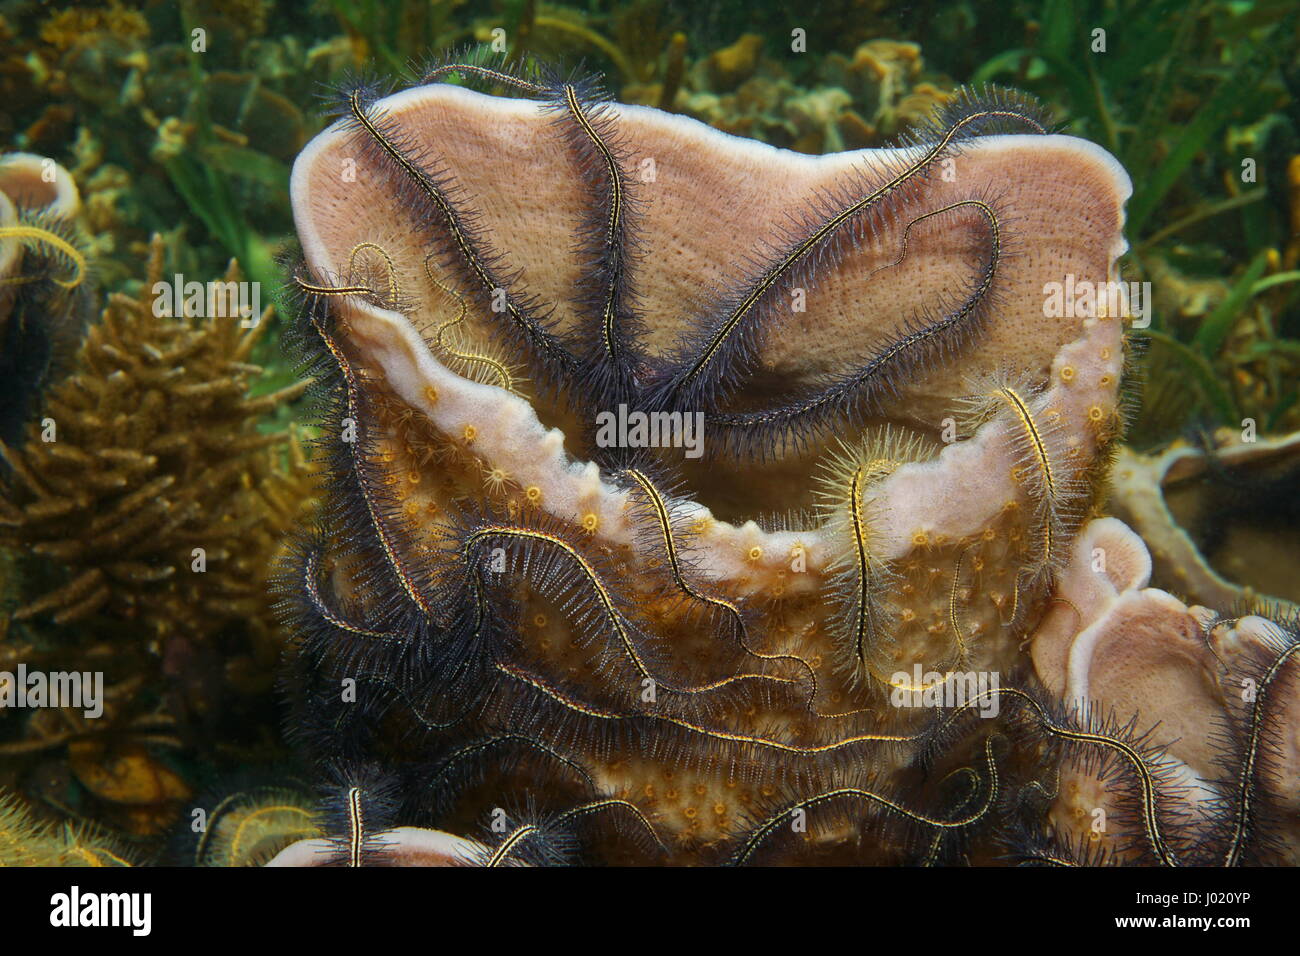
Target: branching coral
145 508
138 479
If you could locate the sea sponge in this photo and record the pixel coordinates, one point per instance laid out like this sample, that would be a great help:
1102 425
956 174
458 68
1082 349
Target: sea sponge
1216 700
528 610
1220 521
400 846
45 284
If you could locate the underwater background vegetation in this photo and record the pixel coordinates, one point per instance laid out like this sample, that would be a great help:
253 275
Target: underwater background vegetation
182 160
